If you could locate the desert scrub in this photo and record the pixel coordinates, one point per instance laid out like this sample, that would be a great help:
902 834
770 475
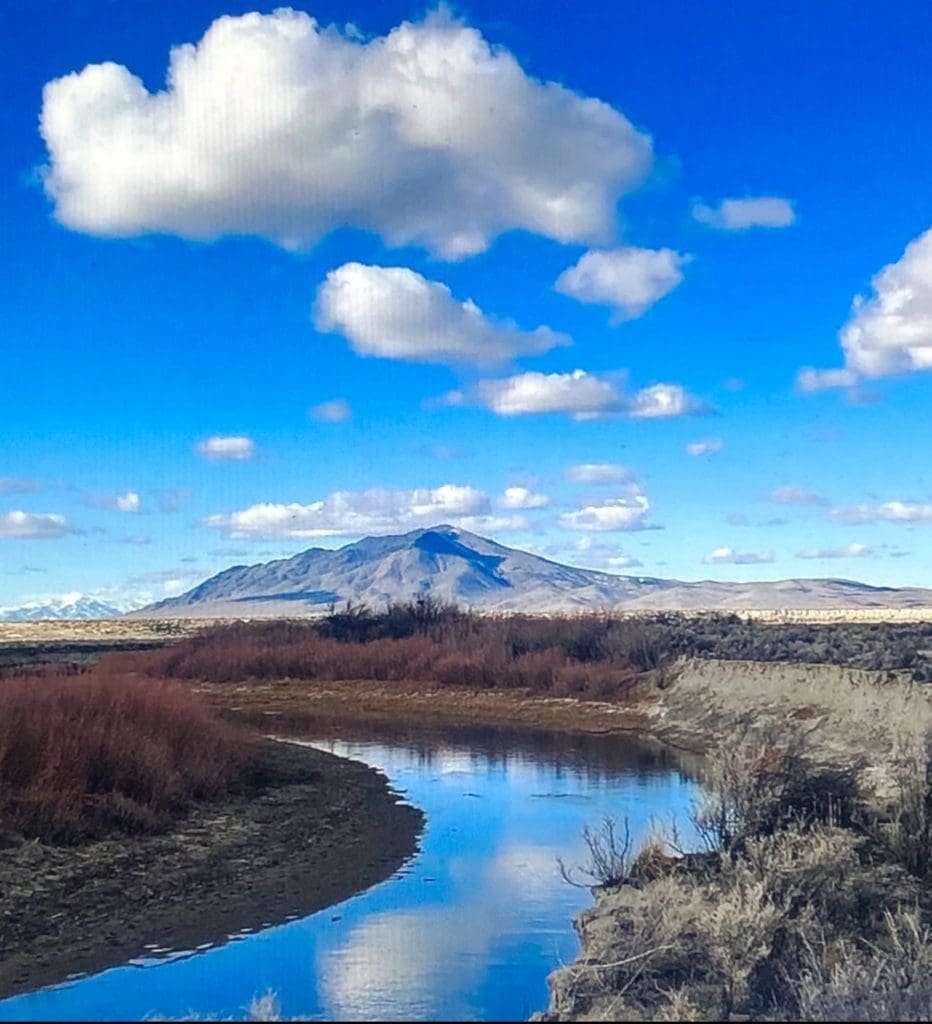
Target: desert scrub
792 898
82 755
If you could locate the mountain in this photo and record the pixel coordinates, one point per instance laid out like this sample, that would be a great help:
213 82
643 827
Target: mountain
72 606
458 566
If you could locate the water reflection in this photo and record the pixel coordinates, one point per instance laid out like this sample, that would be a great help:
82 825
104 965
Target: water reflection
468 930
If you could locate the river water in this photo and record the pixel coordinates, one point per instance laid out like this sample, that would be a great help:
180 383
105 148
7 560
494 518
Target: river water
467 930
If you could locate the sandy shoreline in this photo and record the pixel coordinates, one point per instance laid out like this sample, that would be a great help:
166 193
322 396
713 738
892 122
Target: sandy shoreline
320 829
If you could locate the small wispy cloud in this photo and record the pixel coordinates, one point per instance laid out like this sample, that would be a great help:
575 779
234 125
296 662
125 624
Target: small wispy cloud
742 214
337 410
884 512
728 556
849 551
17 485
708 447
227 448
795 496
598 473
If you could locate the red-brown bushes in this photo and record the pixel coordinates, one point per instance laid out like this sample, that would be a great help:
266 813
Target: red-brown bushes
80 755
593 657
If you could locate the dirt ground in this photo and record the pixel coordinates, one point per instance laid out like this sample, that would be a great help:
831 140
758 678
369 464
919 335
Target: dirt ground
319 829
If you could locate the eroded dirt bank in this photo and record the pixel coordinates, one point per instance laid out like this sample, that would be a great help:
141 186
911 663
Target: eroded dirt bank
674 936
313 830
692 705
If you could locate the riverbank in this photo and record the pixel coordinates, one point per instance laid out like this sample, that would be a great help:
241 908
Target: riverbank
691 705
309 831
735 931
810 901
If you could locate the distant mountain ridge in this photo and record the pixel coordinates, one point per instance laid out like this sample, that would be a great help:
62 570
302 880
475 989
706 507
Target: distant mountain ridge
457 566
75 606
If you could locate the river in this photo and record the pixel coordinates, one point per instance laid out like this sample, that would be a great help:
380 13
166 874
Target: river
467 930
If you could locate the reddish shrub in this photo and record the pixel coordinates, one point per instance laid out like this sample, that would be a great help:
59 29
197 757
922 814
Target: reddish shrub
80 755
590 656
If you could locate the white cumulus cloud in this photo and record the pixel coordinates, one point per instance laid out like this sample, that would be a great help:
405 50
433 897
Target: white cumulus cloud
741 214
17 525
337 410
374 511
235 448
274 126
580 394
628 279
522 497
891 331
728 556
395 313
623 513
664 400
584 396
598 473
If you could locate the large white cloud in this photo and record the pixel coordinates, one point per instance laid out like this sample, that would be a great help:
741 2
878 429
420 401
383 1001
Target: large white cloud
629 280
374 511
584 396
890 332
19 525
272 126
627 512
395 313
741 214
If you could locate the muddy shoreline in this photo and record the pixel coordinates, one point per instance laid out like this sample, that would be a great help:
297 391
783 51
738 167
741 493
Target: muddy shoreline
315 830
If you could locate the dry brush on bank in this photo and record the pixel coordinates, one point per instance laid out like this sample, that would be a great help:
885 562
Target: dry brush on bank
804 904
81 755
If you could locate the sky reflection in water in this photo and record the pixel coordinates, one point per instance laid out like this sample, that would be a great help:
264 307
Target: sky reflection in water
468 930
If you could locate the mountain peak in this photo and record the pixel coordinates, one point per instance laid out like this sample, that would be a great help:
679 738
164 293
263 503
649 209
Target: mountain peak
457 566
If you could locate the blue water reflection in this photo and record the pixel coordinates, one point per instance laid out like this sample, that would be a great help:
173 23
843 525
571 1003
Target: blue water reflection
467 930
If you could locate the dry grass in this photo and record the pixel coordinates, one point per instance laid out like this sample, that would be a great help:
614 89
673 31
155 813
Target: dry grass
802 907
80 755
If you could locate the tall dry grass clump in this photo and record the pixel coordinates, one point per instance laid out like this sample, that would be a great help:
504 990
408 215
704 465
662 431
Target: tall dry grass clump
80 755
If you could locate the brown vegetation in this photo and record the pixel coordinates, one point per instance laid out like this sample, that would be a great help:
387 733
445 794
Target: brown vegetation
593 657
80 755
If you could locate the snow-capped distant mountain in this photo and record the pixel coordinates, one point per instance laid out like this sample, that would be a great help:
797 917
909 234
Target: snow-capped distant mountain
71 606
473 572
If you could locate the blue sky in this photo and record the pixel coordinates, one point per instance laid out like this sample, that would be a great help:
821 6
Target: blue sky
418 265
